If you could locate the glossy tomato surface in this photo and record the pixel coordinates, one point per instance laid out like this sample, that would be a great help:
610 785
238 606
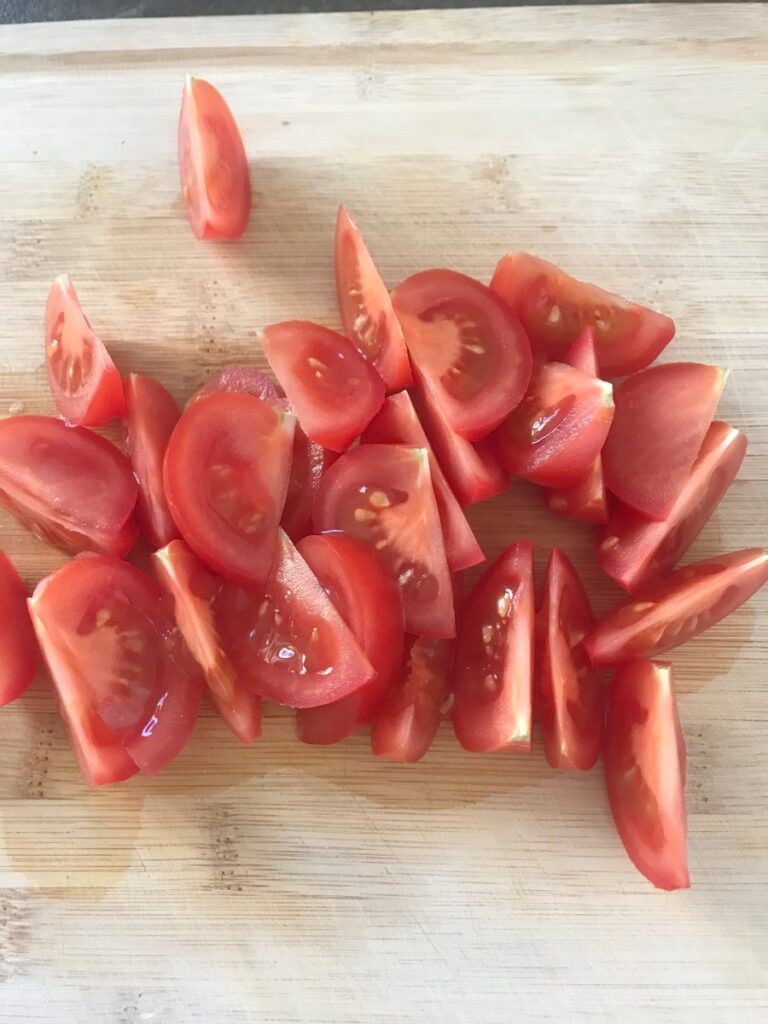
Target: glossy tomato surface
239 378
18 647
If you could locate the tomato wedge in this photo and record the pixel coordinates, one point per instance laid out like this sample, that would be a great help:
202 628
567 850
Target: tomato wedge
662 416
72 488
366 308
644 758
226 475
555 307
365 593
335 391
18 647
215 181
397 423
128 691
383 495
493 662
240 378
472 350
569 694
557 431
85 383
636 551
678 607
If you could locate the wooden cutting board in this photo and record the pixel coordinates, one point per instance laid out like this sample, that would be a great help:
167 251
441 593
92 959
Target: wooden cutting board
284 884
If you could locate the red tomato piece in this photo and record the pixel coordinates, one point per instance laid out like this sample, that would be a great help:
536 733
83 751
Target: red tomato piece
493 662
662 416
72 488
397 423
85 383
472 350
365 593
383 495
568 690
366 308
554 308
636 551
678 607
215 181
644 759
248 379
18 647
226 475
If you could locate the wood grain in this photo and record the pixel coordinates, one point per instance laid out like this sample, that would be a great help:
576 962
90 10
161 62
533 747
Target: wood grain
284 884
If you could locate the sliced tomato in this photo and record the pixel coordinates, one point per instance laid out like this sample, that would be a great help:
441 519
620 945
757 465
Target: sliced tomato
150 416
397 423
583 353
383 495
85 383
569 694
18 647
226 476
554 308
473 351
366 308
557 431
215 181
241 378
128 690
493 662
72 488
644 759
365 593
678 607
636 551
662 416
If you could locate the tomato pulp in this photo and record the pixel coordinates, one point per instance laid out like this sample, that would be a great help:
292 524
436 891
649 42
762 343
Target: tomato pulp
18 647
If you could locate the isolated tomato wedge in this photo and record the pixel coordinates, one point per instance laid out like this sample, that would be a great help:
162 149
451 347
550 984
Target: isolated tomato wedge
226 475
644 759
128 690
662 416
239 378
364 591
569 693
493 661
85 383
18 647
397 423
678 607
557 431
383 495
335 391
215 181
472 350
366 308
554 308
636 551
72 488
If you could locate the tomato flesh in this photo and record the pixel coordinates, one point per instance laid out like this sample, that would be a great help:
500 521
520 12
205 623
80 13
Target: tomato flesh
239 378
18 647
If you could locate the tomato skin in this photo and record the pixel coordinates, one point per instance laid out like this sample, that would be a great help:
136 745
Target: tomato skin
644 758
18 647
239 378
555 307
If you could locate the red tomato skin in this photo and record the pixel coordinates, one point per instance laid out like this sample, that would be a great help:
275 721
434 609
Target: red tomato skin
18 661
239 378
363 296
644 758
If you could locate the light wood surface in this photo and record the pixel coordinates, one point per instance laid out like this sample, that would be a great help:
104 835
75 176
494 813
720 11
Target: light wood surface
288 885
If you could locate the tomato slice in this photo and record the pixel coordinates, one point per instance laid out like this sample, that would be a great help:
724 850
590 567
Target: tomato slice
468 345
215 181
554 308
150 416
662 416
569 694
365 593
678 607
397 423
644 759
85 383
366 308
72 488
226 475
383 495
240 378
493 663
18 647
636 551
128 691
557 431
